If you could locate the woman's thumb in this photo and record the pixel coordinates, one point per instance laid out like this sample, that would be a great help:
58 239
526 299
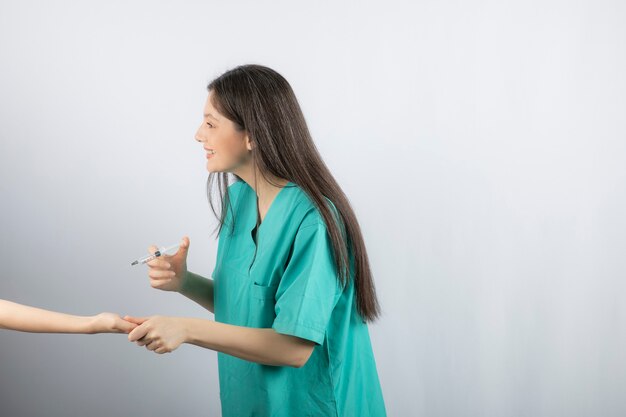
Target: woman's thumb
184 246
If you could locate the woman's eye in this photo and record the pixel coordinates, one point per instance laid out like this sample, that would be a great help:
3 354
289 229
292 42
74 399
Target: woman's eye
209 124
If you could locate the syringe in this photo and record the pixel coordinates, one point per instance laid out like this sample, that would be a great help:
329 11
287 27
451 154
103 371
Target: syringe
156 254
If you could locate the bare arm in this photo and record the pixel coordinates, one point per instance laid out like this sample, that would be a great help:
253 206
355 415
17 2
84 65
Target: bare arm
198 289
266 346
14 316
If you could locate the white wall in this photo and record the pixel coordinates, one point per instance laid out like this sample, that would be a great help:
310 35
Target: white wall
482 145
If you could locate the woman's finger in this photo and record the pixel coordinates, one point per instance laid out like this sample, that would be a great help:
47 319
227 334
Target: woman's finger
160 274
159 263
161 283
138 333
153 345
143 341
125 326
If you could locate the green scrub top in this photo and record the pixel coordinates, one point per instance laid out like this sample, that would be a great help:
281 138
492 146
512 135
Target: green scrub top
282 276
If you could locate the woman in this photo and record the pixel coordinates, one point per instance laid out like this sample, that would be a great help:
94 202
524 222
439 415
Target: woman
14 316
292 289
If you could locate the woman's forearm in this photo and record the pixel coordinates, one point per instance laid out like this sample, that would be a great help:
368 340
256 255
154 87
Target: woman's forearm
264 346
19 317
198 289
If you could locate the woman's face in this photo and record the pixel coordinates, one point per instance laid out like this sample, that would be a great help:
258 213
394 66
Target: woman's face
226 148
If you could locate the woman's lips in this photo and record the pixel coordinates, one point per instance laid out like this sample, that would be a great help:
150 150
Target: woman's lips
210 155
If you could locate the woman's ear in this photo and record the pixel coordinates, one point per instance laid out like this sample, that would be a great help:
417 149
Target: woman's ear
249 144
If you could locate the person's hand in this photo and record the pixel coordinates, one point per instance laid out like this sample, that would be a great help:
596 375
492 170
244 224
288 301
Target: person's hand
157 333
167 272
110 323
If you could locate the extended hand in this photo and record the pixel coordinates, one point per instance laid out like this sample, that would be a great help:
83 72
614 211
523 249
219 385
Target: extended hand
157 333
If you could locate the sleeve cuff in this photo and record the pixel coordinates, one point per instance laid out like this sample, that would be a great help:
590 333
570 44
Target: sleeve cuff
299 330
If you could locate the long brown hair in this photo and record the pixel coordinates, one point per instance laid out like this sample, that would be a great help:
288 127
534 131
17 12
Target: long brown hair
261 101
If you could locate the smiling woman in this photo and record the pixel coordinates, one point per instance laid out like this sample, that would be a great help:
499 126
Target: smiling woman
292 290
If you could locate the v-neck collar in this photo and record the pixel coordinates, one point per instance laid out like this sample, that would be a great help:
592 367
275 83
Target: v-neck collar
252 225
270 209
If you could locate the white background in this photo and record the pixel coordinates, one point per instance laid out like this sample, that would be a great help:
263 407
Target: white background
482 145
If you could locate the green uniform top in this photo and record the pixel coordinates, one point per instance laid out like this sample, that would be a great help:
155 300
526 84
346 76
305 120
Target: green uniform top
282 276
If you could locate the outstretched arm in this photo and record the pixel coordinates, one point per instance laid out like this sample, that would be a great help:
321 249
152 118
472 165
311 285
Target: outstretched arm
14 316
164 334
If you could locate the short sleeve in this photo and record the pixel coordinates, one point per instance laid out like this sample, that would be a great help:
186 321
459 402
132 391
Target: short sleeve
308 290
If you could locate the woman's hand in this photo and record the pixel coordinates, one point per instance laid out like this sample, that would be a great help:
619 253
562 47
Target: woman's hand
110 323
168 272
157 333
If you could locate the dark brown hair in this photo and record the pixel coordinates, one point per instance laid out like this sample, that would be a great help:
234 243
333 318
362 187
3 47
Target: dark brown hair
261 101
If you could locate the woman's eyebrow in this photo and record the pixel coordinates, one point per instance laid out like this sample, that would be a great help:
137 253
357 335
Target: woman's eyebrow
211 116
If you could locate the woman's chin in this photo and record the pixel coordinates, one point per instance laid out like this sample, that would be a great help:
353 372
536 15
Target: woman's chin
211 168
